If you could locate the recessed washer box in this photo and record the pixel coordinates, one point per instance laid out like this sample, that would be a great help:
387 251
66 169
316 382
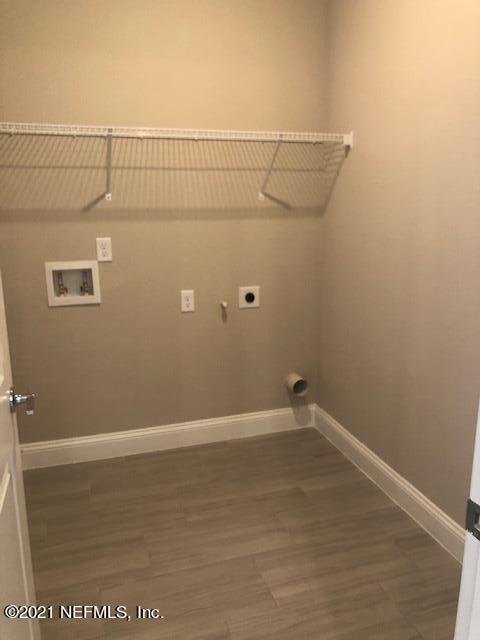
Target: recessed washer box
72 283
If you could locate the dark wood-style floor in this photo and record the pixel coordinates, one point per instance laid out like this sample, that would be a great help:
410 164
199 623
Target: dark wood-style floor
276 537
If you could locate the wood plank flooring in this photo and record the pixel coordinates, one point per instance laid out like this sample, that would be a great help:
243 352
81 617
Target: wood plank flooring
277 537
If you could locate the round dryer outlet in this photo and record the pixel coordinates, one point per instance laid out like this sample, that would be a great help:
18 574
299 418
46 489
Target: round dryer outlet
249 297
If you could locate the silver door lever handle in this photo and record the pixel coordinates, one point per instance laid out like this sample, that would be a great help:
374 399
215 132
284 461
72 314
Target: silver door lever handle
28 399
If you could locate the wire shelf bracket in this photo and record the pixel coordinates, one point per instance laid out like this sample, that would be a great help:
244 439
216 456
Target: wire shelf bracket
263 189
108 185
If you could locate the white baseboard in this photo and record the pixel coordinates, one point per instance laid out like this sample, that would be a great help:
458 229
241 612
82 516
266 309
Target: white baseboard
51 453
436 522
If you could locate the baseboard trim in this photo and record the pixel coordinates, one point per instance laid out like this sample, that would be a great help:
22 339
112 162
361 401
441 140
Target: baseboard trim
436 522
51 453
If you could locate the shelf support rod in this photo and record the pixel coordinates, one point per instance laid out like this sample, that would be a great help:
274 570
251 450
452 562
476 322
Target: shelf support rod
108 186
262 194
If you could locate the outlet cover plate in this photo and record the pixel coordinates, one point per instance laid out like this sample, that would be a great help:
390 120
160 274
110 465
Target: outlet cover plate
104 249
187 300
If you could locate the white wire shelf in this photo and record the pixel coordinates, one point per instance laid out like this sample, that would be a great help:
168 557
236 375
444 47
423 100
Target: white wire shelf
111 141
32 129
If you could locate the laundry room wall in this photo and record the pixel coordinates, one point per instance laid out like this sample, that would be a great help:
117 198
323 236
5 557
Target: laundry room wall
135 360
400 263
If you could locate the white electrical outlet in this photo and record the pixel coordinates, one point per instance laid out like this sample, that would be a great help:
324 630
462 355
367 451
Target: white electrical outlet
104 249
187 297
249 297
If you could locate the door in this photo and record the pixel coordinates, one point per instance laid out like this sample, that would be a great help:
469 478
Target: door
468 614
16 578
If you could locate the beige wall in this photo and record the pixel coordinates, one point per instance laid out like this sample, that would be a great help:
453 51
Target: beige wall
165 63
400 347
135 361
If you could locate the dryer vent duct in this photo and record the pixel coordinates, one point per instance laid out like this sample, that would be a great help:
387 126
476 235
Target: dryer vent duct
296 384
